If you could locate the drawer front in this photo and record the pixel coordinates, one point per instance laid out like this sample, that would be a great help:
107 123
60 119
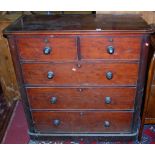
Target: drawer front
87 74
84 122
105 48
81 98
42 49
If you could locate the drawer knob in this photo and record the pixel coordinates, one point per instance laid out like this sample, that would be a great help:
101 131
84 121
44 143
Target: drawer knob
110 50
50 75
109 75
107 100
53 100
56 122
47 50
106 124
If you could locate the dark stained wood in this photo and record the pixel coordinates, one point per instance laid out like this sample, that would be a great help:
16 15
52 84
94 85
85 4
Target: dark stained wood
61 48
84 69
85 122
148 115
141 80
82 98
92 48
124 47
42 23
88 73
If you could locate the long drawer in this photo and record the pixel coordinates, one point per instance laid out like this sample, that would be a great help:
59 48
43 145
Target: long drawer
87 74
85 122
81 98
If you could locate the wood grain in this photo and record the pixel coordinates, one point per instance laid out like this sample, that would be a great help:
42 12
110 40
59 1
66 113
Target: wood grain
124 47
79 23
82 98
85 122
128 66
61 48
87 74
148 107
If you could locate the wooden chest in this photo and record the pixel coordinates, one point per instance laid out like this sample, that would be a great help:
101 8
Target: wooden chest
81 75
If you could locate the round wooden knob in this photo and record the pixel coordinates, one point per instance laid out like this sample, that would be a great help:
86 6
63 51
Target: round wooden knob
53 100
47 50
109 75
110 50
107 100
56 122
50 75
106 124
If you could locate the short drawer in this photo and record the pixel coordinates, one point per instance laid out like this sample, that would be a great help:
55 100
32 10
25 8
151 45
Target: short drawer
81 98
85 122
87 74
110 47
47 49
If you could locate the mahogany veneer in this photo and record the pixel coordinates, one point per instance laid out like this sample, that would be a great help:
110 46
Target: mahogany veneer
62 48
84 122
96 47
81 75
77 98
88 74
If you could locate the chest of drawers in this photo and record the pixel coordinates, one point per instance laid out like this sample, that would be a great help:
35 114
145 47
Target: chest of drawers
80 75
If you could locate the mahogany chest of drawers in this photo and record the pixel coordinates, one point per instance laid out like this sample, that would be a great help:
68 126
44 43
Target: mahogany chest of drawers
80 75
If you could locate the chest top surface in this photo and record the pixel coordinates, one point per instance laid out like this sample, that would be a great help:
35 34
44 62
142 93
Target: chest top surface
88 23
